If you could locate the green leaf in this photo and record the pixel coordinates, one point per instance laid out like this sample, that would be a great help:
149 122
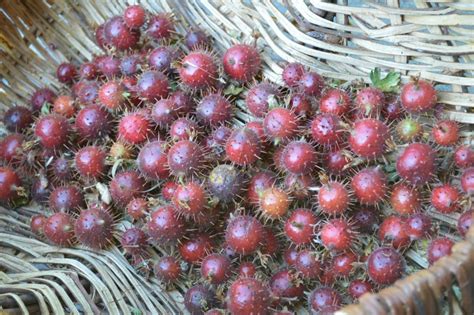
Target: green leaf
233 90
136 311
45 109
389 83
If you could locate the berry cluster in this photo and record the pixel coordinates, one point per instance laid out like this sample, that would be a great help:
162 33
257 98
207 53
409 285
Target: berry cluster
314 187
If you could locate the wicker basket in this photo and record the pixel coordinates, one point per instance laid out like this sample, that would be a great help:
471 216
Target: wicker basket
341 41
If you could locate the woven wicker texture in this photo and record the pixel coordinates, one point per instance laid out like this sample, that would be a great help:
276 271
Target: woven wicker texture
430 39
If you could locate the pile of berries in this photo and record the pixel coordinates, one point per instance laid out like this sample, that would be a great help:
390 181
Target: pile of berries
310 196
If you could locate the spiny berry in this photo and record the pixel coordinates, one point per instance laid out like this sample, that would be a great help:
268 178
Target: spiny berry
439 248
259 97
213 110
134 241
248 296
134 128
111 95
465 222
323 299
163 113
152 85
64 105
280 123
464 156
290 256
301 104
162 58
196 38
368 138
285 285
342 265
335 101
270 245
11 147
299 227
185 158
409 130
369 101
90 162
445 132
108 65
62 169
125 186
274 202
134 16
119 150
94 227
242 62
326 129
337 235
119 35
358 288
66 199
37 223
418 226
40 97
467 181
152 160
198 70
182 102
66 73
137 208
418 96
190 199
333 198
307 263
100 36
52 131
87 92
385 265
225 182
336 161
183 129
165 226
369 186
243 147
393 108
445 198
257 127
299 157
215 268
17 118
59 230
258 184
292 74
168 189
194 249
247 270
393 231
365 220
405 200
416 164
168 269
160 26
131 64
311 84
244 234
198 299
